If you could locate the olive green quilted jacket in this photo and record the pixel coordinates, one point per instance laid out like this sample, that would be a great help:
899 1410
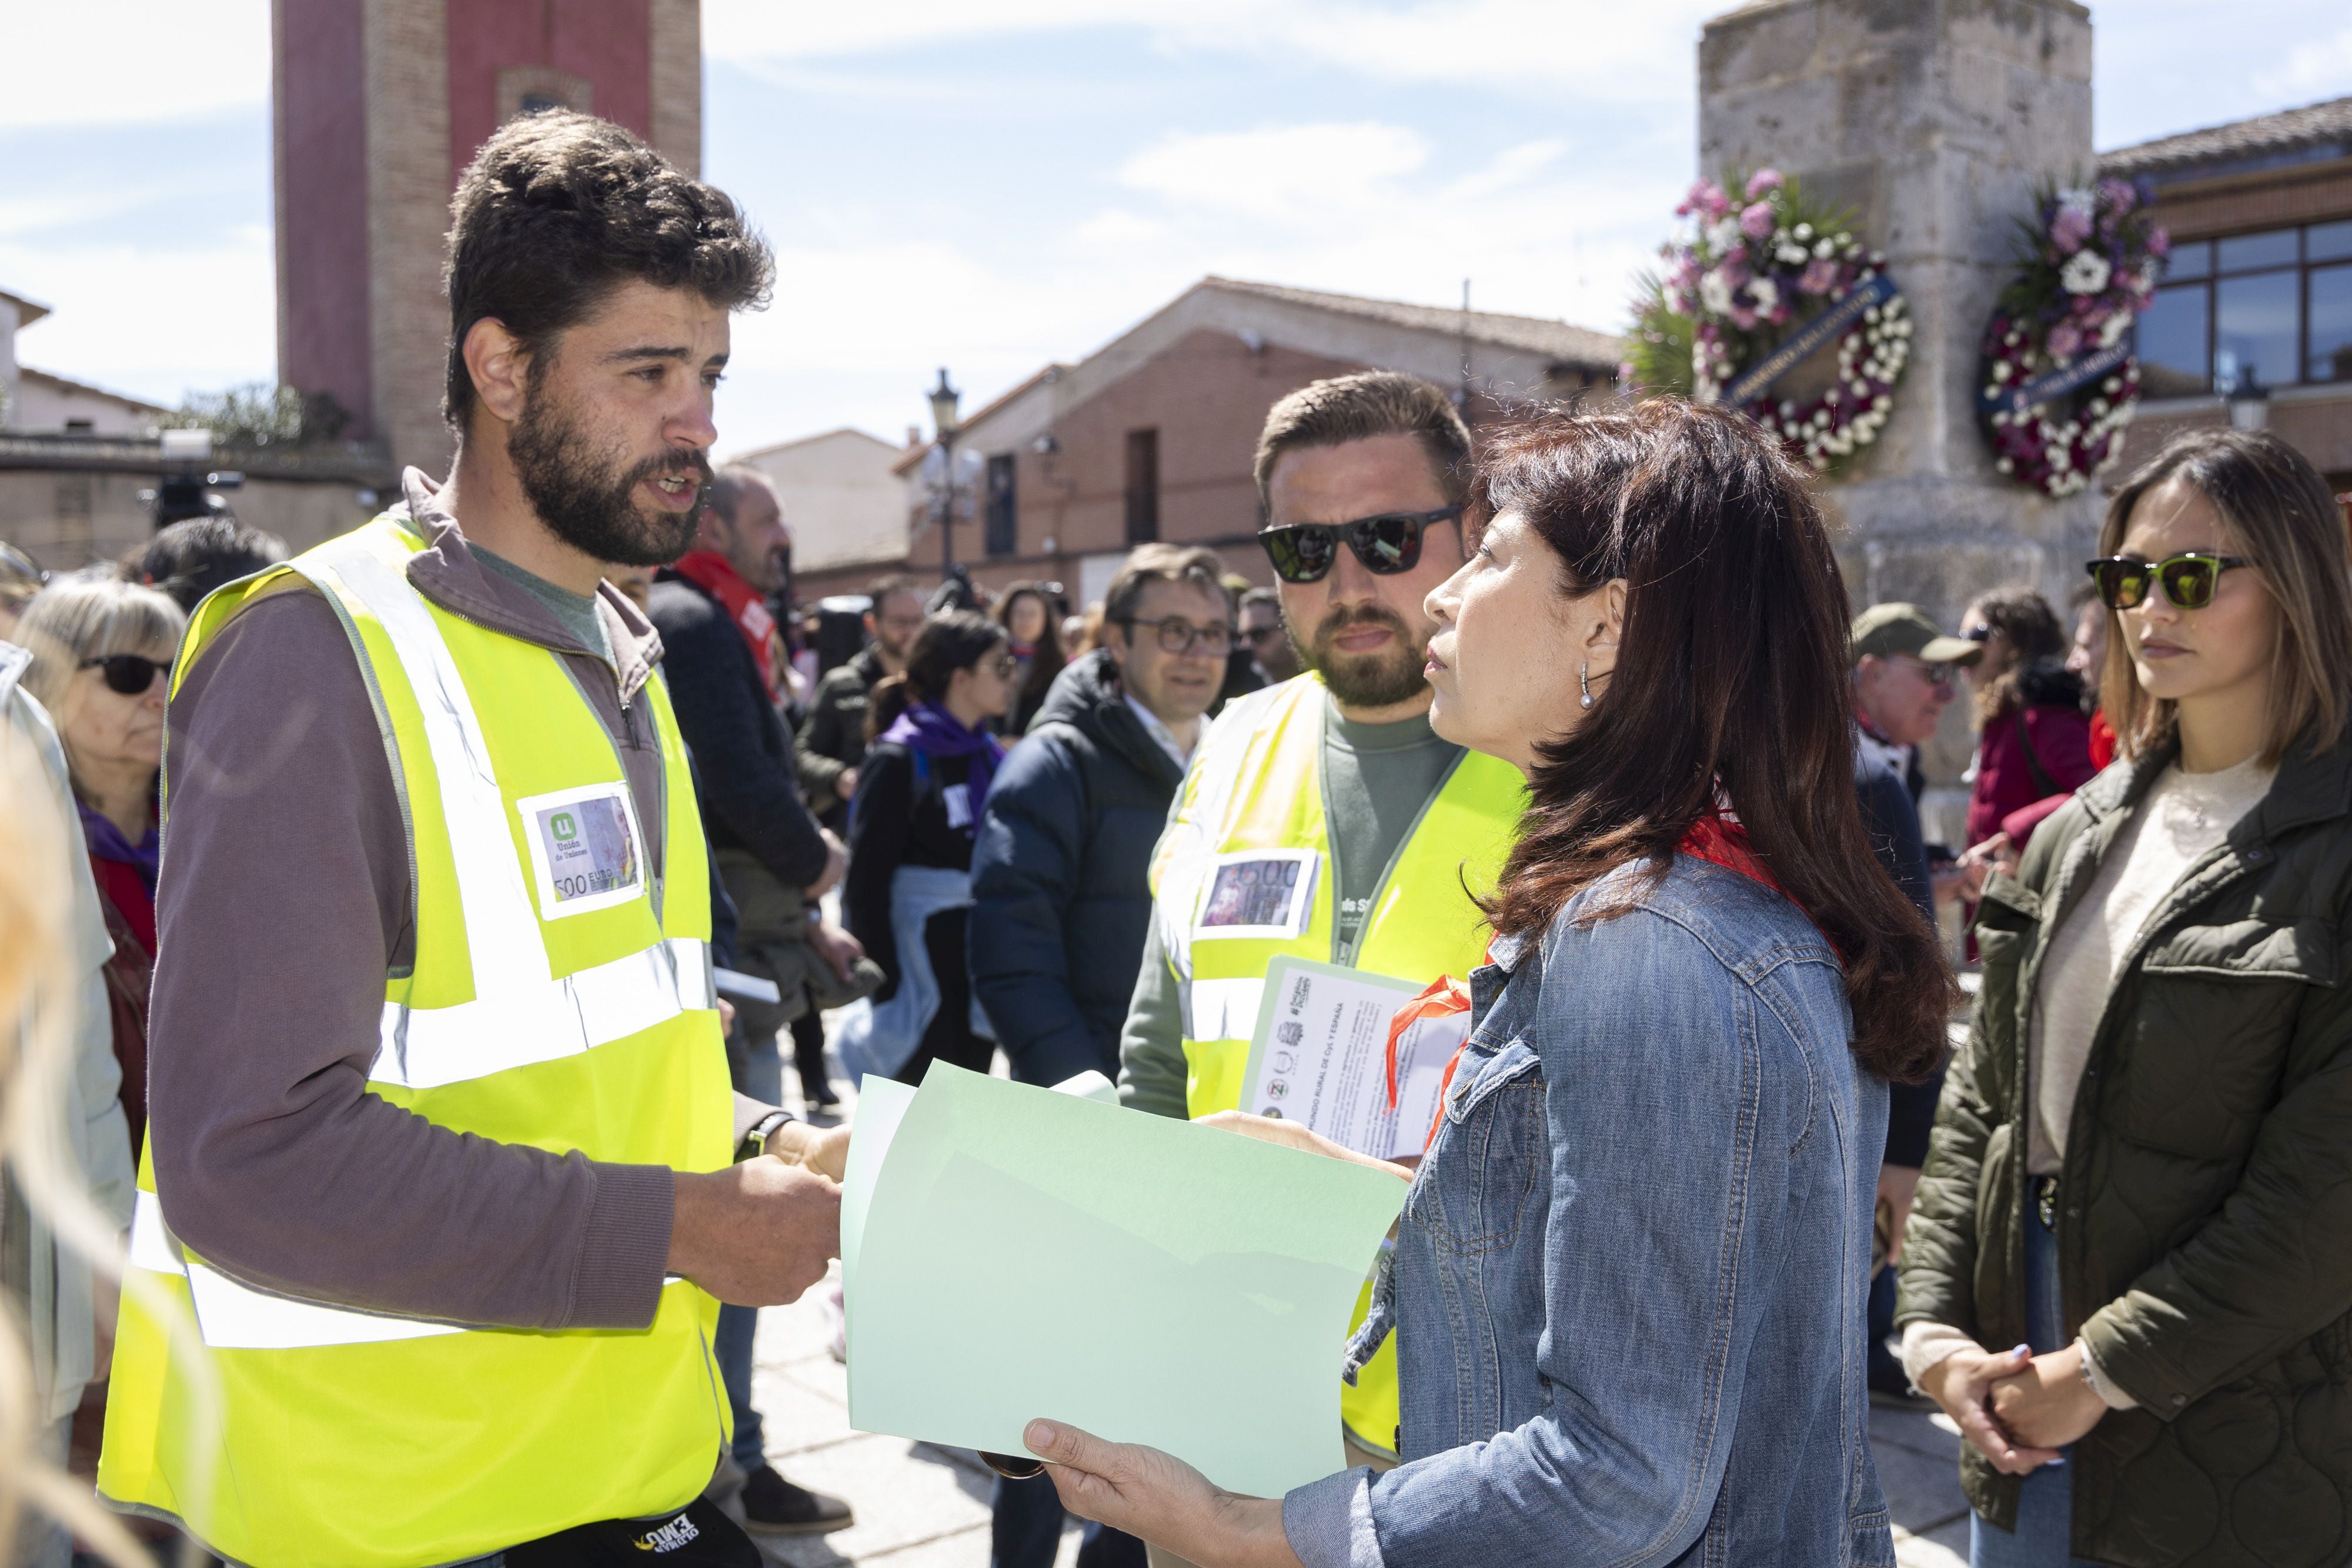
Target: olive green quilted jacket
2205 1218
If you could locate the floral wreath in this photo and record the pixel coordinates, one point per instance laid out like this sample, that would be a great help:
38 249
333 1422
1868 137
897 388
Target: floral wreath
1731 313
2058 379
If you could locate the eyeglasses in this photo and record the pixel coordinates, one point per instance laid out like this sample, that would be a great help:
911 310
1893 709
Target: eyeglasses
1013 1469
1260 633
1387 544
1006 666
2188 580
1978 634
1935 675
1178 635
129 674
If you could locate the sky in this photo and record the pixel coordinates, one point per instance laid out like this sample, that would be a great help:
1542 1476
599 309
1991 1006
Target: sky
991 186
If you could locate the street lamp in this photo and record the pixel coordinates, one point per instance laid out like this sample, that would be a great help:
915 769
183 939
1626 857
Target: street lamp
943 425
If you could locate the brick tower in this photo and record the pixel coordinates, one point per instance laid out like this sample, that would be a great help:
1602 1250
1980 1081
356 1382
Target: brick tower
379 105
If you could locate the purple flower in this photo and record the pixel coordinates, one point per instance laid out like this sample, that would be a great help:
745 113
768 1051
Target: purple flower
1821 275
2065 342
2117 196
2069 229
1755 220
1743 318
1761 180
2159 242
1707 198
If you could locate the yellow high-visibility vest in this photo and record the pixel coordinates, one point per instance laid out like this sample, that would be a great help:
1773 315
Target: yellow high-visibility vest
1257 789
561 998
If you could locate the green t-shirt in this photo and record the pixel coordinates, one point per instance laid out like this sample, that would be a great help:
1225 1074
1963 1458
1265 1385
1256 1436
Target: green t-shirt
583 617
1377 777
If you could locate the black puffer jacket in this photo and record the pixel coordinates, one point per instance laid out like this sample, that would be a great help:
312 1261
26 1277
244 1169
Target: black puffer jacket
1060 896
2205 1220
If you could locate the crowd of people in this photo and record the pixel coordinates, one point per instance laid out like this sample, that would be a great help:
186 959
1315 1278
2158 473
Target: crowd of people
429 1050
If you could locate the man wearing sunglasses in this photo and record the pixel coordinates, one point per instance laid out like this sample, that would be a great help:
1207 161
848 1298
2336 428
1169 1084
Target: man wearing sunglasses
1332 783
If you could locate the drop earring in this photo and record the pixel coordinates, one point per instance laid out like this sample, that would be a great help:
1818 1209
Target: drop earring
1585 679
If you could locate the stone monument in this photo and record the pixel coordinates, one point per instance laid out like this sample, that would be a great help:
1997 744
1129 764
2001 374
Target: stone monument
1934 121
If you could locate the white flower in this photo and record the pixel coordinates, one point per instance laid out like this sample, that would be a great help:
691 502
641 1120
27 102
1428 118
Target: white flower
1765 292
1824 250
2085 272
1725 234
2112 330
1803 231
2080 201
1789 254
1714 292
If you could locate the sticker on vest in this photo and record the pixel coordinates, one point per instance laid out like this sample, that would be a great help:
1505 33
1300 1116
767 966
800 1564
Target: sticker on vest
1262 893
586 850
956 798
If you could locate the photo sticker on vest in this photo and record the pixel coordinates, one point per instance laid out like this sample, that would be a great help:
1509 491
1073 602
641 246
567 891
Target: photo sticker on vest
586 850
1261 893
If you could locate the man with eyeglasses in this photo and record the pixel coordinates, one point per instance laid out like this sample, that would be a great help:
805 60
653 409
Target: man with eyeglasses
1060 895
1362 481
1903 681
1264 636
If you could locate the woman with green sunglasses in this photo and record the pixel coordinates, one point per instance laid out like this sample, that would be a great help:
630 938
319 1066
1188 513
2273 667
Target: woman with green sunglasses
2140 1177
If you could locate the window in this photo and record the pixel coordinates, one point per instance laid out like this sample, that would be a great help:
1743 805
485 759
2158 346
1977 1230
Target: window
1000 517
2270 309
1142 486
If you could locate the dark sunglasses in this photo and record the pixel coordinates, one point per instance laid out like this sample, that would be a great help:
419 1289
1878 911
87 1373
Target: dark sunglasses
2188 580
1387 544
1014 1467
129 674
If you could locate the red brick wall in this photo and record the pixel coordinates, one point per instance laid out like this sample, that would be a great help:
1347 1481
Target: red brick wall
2320 428
322 204
609 42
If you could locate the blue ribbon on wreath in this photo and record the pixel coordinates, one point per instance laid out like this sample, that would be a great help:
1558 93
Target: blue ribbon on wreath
1808 340
2051 385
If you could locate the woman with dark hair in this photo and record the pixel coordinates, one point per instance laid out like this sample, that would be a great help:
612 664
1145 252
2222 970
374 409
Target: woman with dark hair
1628 1283
1030 624
2140 1177
919 792
2033 736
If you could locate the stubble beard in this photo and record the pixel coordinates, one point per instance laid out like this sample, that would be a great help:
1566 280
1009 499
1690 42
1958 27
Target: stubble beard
587 499
1367 680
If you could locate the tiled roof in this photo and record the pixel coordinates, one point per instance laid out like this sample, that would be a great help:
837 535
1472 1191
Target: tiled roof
2314 126
1534 334
83 389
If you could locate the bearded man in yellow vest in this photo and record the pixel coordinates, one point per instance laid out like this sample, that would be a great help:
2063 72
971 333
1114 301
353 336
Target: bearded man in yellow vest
1334 777
444 1172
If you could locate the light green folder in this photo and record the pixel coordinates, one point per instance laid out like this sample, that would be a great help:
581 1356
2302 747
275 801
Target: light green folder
1008 1252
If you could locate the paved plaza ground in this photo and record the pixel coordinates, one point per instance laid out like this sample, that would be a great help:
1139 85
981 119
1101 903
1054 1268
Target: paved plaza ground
924 1507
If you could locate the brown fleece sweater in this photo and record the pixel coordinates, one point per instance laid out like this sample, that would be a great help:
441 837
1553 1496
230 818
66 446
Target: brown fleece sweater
284 902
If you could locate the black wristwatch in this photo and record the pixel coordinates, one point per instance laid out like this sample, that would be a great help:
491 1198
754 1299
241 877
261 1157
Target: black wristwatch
755 1142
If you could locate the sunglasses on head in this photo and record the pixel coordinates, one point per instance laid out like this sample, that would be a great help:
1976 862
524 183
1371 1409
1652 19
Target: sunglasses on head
1387 544
129 674
2188 580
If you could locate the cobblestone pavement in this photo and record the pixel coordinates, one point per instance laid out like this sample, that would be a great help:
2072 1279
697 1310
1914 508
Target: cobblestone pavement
919 1506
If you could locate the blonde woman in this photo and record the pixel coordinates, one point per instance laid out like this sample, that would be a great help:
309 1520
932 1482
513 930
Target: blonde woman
102 650
2140 1178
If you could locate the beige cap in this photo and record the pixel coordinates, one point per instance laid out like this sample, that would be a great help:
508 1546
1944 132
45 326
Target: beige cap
1884 629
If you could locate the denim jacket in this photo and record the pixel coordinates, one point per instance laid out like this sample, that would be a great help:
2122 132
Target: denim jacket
1630 1276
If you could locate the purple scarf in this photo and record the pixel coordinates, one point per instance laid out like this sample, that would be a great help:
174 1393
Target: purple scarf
938 734
107 843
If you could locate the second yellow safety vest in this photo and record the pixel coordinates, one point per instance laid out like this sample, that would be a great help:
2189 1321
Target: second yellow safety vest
561 998
1255 799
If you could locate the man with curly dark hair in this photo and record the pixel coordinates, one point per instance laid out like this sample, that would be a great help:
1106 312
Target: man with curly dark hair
445 1173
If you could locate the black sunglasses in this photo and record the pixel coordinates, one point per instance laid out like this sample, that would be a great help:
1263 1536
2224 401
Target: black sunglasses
2188 580
1387 544
129 674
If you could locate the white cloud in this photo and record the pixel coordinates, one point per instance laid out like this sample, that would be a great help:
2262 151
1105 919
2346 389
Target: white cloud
153 324
1597 48
2319 69
132 62
1290 174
